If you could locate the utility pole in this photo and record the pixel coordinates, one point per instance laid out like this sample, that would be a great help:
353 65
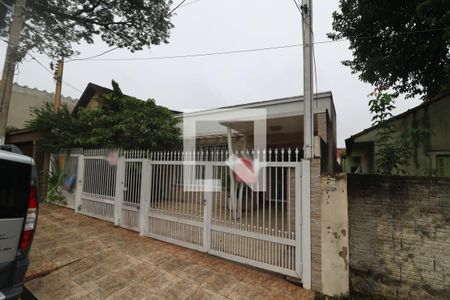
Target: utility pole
308 143
58 77
57 99
308 78
10 65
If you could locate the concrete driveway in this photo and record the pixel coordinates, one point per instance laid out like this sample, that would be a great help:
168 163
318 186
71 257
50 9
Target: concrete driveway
77 257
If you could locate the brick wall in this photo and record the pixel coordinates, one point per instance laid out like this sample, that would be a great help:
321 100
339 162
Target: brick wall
316 226
399 230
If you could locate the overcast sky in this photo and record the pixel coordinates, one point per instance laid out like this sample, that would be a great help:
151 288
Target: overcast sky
213 81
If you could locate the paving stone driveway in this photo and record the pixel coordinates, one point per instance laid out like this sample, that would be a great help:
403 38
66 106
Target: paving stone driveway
77 257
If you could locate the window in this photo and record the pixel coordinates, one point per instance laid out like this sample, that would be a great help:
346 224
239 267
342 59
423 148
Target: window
443 165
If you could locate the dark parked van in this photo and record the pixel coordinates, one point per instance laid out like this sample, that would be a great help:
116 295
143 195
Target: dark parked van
18 216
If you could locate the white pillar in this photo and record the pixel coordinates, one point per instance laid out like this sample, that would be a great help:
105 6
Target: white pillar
80 182
118 199
146 188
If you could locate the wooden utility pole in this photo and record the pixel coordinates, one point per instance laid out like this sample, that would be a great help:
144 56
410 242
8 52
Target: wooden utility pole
10 65
58 77
57 99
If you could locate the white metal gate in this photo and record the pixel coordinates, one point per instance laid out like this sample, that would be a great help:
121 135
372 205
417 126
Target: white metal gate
175 215
257 228
162 196
99 188
132 186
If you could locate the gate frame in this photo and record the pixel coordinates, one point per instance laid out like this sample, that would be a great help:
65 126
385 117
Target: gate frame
80 182
302 210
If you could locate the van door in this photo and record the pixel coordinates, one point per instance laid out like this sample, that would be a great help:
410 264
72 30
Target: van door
15 178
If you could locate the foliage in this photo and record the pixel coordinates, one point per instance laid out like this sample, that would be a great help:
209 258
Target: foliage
396 44
54 180
10 129
52 27
392 153
56 129
120 121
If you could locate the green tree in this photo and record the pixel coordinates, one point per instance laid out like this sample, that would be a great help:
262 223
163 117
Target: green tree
393 148
397 44
52 27
56 128
120 121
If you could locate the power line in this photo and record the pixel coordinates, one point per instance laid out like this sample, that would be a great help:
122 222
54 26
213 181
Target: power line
251 50
316 85
47 69
298 6
94 56
73 87
51 73
41 64
8 7
195 55
189 3
315 69
176 7
115 48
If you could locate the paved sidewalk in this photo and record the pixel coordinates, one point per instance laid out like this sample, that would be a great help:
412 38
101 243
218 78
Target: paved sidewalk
77 257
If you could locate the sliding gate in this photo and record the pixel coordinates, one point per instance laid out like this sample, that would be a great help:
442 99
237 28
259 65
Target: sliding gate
162 195
229 220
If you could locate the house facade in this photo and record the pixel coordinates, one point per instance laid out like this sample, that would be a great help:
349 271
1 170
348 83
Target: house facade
197 200
23 99
284 127
429 157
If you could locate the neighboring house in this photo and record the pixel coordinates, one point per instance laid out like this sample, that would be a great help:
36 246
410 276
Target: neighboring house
87 99
284 127
24 98
429 158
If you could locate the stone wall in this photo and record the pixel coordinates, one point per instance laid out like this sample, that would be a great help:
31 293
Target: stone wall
399 230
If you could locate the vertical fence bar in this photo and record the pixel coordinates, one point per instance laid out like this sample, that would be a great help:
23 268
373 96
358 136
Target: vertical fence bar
80 182
118 199
146 188
207 207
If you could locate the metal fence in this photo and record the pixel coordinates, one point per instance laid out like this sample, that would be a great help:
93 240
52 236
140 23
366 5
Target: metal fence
163 195
64 166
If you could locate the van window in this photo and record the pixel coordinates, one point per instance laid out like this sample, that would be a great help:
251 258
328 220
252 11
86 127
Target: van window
14 188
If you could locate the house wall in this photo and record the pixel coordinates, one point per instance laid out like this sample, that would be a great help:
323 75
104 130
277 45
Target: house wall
93 103
435 118
24 98
399 236
324 128
361 160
